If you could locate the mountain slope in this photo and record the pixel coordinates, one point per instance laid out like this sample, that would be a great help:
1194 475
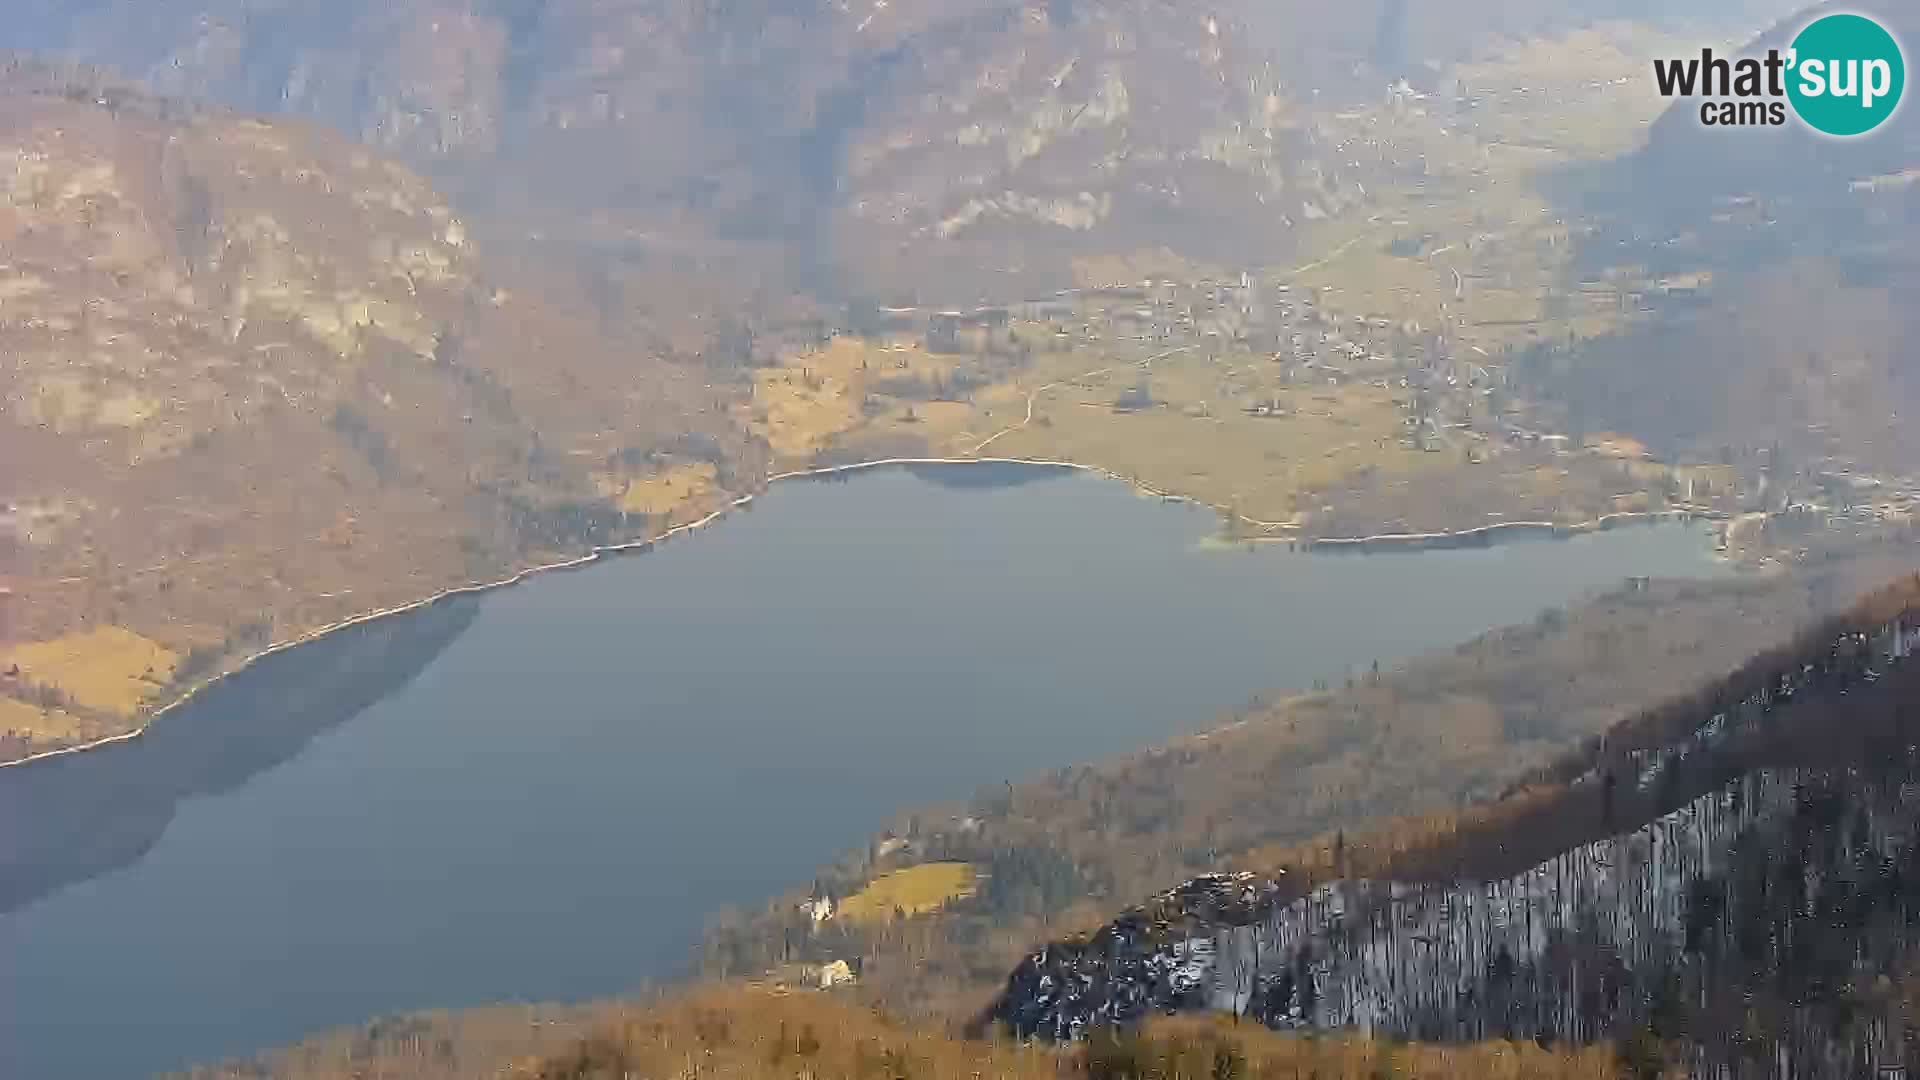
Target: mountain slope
255 378
1803 338
772 126
1726 871
969 145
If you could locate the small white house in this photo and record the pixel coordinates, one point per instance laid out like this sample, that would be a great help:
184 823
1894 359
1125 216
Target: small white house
835 974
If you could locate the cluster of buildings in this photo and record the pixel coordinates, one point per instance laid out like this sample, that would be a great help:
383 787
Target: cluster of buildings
1289 325
1271 334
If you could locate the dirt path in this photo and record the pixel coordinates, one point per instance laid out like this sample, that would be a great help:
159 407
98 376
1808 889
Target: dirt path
1329 257
1035 395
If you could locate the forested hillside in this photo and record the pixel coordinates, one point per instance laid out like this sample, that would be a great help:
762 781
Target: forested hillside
1718 881
254 378
1062 852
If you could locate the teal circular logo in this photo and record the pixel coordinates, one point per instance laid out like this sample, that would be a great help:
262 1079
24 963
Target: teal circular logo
1846 75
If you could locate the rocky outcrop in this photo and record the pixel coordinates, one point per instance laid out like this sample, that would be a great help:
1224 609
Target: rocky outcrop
1750 888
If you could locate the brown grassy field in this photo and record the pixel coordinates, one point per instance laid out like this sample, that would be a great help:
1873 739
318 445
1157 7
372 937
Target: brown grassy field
24 722
733 1033
104 669
916 890
1197 441
685 488
856 392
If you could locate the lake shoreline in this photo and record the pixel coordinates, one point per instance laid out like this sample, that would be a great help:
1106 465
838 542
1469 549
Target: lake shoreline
597 554
495 746
1488 535
1408 542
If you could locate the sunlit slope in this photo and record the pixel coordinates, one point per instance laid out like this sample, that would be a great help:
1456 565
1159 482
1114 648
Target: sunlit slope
256 378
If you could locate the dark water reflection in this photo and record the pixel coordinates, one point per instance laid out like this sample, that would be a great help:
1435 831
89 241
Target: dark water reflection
544 794
72 818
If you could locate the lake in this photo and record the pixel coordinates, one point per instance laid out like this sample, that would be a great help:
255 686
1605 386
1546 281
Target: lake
542 793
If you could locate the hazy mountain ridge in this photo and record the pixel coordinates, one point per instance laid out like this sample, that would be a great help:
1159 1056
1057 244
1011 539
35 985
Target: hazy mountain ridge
969 145
1802 340
685 122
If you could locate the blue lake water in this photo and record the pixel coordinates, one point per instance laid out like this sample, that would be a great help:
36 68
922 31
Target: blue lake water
543 793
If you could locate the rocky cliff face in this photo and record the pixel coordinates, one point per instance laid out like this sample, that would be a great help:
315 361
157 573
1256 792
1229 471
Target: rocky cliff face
1765 918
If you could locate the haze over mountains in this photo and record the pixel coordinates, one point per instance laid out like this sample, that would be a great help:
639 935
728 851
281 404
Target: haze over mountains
1806 344
970 145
